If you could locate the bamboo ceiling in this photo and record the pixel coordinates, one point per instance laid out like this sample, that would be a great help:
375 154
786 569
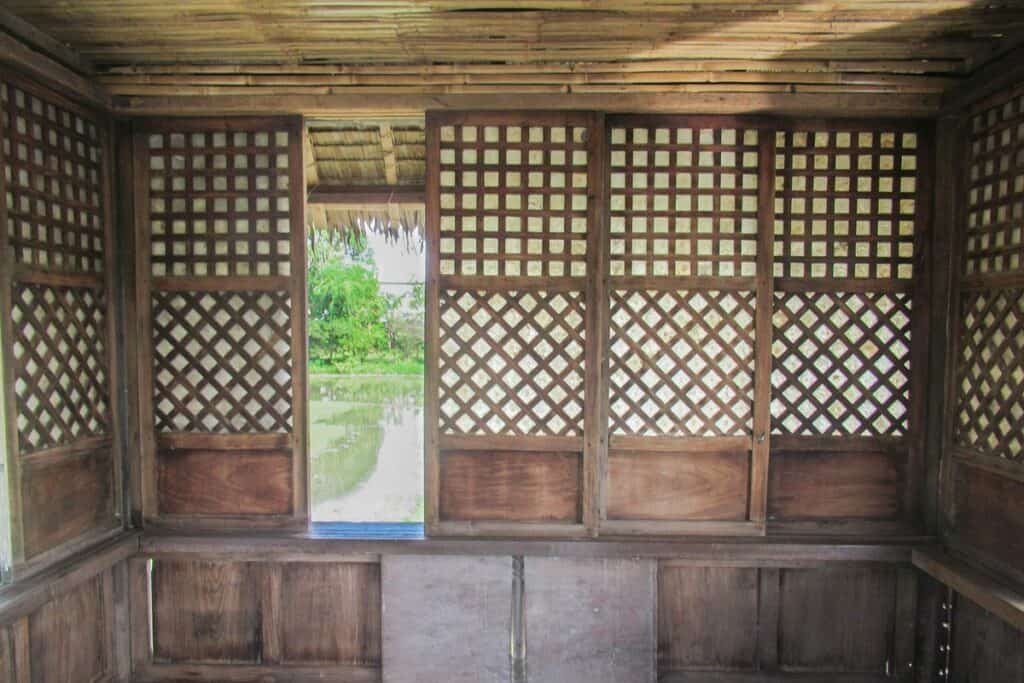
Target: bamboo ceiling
450 47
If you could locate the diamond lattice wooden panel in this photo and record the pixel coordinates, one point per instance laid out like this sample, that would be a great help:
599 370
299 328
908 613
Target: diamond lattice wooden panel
511 362
845 204
54 168
681 363
684 201
990 405
995 203
513 200
222 362
61 380
841 364
219 203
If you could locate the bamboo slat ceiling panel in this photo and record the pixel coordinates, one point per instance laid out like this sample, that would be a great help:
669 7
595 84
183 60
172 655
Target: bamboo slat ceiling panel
146 47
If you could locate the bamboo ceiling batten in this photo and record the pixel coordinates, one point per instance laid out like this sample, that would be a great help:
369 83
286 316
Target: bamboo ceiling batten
317 58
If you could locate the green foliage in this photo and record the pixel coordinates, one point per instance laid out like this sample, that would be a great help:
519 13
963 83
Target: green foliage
353 325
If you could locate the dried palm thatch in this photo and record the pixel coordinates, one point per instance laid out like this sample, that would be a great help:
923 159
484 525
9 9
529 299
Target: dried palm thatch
367 154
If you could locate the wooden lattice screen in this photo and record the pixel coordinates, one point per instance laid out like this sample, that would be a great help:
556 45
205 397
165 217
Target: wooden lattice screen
56 306
986 471
757 294
851 211
221 262
689 232
512 201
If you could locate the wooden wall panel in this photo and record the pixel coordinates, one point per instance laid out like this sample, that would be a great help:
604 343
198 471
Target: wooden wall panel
510 486
227 619
220 234
343 628
65 499
205 611
69 639
837 619
57 298
206 482
819 621
985 648
707 618
673 486
989 516
837 485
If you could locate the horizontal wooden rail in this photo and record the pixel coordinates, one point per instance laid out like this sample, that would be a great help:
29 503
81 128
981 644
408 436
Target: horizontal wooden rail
974 584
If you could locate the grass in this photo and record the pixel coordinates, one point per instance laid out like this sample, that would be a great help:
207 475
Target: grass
377 365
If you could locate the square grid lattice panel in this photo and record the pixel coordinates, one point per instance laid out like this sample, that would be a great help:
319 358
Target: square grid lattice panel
845 204
990 382
219 203
61 379
684 201
682 363
995 200
54 168
512 362
222 362
841 364
513 200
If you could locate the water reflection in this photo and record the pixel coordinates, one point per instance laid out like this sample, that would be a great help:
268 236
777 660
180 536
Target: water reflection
366 446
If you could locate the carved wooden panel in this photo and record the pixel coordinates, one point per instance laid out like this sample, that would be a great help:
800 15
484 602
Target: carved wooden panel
222 361
219 202
995 187
990 377
512 362
61 378
513 199
684 199
54 167
842 364
845 203
681 362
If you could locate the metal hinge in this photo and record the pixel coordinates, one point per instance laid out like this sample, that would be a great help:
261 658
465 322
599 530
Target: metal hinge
945 636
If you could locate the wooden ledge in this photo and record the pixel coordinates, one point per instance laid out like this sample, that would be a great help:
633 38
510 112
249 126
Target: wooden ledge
21 598
313 546
995 596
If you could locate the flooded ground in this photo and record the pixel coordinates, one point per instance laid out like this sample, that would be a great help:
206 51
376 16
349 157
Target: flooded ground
366 448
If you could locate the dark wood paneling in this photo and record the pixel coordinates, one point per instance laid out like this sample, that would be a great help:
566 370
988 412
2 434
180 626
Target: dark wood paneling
67 637
225 483
990 514
707 618
205 611
835 485
331 613
985 648
512 486
678 486
837 619
65 499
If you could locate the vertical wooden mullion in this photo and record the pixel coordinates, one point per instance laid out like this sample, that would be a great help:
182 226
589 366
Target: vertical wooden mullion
270 613
8 401
957 255
22 651
595 422
904 622
300 337
761 441
143 327
139 609
768 615
432 318
924 236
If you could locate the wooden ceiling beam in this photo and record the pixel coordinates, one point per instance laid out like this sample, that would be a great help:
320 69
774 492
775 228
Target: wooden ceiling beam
362 106
14 53
356 195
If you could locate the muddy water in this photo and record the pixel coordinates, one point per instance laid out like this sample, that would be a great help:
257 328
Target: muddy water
366 448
